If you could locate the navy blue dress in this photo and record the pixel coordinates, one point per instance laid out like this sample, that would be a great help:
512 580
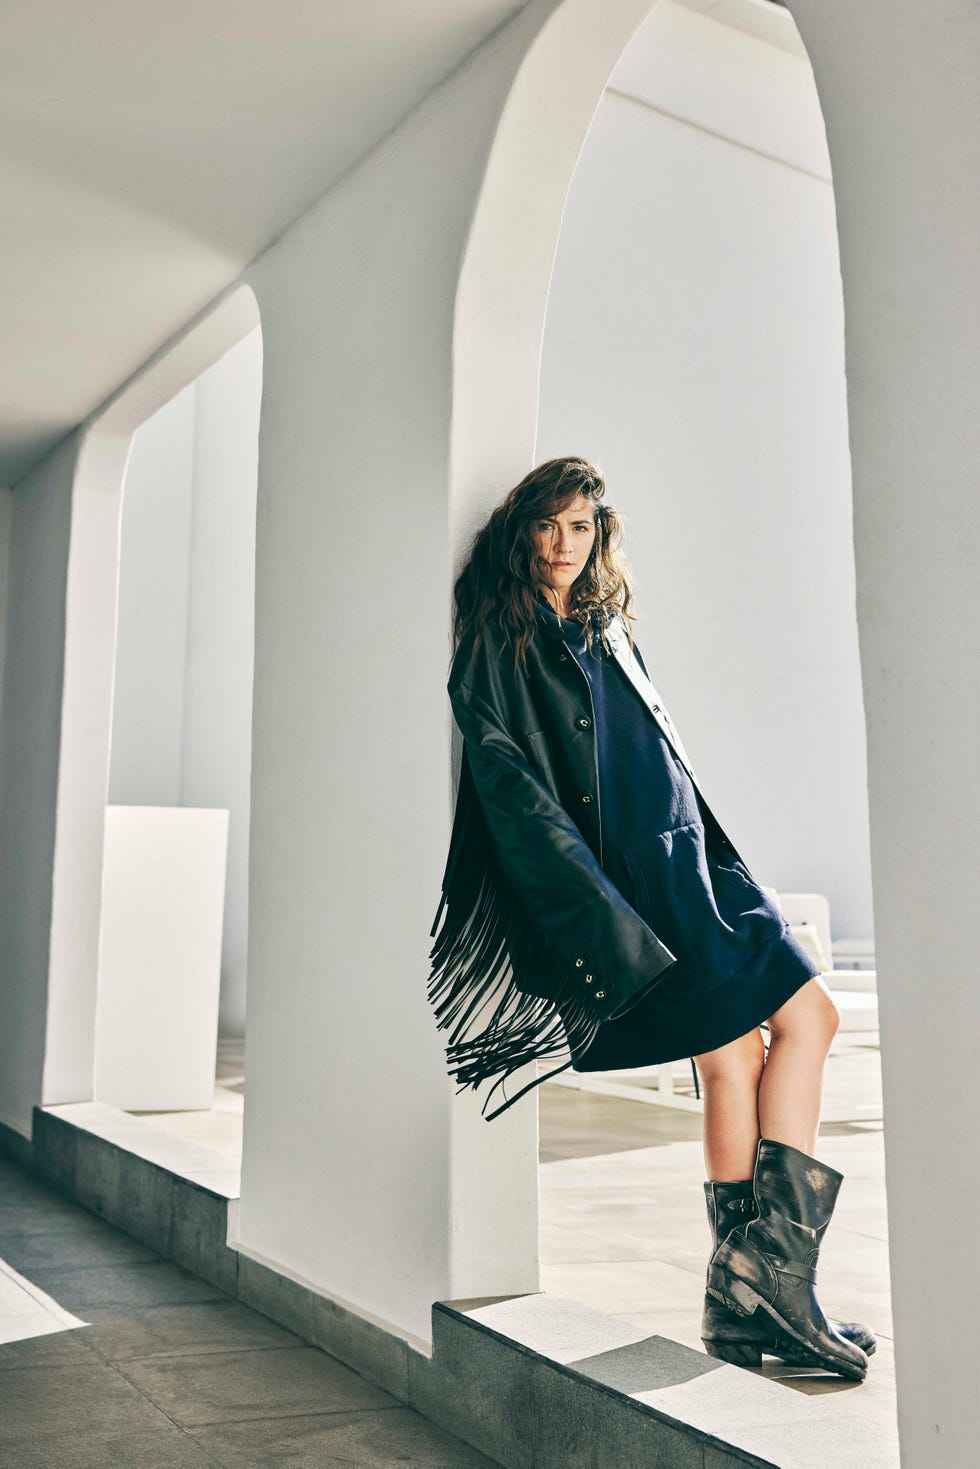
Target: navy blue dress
737 960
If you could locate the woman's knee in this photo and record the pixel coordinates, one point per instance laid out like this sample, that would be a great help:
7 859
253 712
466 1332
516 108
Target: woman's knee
811 1014
740 1061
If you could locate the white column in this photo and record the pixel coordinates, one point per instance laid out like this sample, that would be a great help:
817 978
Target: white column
898 85
402 321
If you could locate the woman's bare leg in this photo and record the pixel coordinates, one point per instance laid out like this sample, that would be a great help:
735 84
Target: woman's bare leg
747 1094
791 1089
730 1076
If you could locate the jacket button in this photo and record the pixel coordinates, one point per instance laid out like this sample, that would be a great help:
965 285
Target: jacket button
579 963
589 978
584 723
586 800
599 994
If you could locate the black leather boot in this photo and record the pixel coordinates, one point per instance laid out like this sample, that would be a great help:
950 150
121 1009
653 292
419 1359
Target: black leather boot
769 1263
734 1337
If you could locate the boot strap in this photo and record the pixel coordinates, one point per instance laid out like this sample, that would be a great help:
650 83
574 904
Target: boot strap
797 1268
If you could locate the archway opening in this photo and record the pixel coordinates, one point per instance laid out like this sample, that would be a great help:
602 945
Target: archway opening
499 331
694 347
174 923
168 630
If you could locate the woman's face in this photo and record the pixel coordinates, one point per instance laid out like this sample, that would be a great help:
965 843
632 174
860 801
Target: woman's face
565 540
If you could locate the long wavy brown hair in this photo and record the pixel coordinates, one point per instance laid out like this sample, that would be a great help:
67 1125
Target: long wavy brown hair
502 571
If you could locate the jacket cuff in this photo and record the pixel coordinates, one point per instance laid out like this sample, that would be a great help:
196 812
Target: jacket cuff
609 998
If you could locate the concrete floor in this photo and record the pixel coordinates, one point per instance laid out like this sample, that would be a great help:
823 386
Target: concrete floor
111 1356
623 1222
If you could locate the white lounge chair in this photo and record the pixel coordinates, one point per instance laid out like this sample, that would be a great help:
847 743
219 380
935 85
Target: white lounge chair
854 990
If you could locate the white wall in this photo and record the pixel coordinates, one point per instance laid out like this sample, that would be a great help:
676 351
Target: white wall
217 744
695 348
182 701
29 757
152 632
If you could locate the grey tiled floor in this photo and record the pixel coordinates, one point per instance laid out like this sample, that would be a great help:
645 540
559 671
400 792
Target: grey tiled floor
111 1356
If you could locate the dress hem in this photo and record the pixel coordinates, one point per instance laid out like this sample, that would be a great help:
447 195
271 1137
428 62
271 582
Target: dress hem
681 1031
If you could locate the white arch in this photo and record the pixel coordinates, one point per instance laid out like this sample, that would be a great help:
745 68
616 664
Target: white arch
86 702
899 105
502 294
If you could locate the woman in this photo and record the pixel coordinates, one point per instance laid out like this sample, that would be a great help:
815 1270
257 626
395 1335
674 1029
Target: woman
596 911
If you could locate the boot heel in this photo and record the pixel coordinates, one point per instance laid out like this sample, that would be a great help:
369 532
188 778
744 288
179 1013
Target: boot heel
742 1354
743 1295
724 1300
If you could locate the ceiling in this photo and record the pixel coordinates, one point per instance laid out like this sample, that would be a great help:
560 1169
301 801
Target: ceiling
149 151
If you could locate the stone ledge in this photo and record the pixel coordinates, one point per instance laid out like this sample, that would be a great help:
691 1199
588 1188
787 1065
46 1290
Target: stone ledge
541 1382
128 1173
195 1162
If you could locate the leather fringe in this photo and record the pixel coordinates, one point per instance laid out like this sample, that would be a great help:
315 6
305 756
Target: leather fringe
497 979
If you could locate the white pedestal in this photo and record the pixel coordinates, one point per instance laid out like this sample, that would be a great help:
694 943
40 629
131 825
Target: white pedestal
163 893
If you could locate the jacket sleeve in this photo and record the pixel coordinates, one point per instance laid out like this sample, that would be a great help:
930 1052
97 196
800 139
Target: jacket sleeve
614 955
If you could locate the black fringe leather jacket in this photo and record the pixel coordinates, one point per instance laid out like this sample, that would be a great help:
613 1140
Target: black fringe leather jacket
538 946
